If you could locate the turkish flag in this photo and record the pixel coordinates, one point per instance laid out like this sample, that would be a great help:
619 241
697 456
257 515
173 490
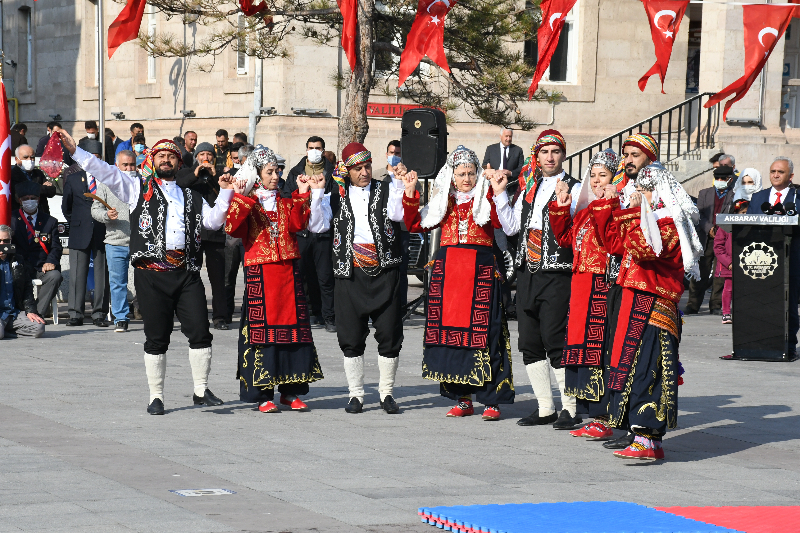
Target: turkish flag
553 14
249 9
126 26
764 25
5 159
349 9
665 20
426 37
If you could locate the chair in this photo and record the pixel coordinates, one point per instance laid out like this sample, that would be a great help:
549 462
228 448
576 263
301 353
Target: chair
36 284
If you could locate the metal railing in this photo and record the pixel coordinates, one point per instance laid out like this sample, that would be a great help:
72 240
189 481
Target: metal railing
681 124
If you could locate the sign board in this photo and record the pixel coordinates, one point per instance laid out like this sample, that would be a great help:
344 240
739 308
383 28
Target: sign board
202 492
389 110
766 220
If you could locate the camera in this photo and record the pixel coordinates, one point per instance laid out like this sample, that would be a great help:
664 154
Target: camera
8 249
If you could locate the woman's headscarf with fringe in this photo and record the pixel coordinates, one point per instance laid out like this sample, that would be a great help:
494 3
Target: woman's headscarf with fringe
607 158
250 172
434 212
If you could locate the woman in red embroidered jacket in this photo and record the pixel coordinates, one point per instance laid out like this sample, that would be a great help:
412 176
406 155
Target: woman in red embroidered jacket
467 345
658 243
586 328
275 344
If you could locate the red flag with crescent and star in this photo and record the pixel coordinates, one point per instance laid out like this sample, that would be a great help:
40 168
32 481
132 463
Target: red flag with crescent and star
426 37
5 159
553 14
764 25
665 21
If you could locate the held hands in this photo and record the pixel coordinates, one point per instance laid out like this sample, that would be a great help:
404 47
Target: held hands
303 183
317 181
635 200
410 180
498 179
112 214
610 192
226 181
563 197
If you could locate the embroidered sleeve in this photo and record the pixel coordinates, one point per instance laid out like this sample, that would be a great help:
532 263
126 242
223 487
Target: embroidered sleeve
411 215
236 221
561 224
636 244
301 211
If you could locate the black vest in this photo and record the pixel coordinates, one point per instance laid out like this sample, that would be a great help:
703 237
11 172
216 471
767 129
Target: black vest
554 257
385 232
149 227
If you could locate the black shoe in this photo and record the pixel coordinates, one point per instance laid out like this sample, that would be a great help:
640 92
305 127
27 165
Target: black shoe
330 327
207 399
620 443
389 405
75 322
565 421
121 326
689 311
156 408
355 406
716 312
101 322
220 324
534 419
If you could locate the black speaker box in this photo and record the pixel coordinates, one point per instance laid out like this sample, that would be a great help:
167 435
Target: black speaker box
424 141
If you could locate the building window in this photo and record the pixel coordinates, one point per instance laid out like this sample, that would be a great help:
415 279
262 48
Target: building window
564 63
29 48
151 31
242 60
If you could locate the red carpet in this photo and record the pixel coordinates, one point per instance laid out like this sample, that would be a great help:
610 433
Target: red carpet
748 519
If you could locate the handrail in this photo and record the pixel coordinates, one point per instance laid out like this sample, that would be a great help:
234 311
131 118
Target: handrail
689 124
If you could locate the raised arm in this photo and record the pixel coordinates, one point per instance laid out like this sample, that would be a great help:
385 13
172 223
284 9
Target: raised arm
321 212
502 212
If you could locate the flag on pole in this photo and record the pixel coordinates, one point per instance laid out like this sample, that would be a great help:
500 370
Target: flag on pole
5 159
665 21
553 14
426 37
126 26
349 9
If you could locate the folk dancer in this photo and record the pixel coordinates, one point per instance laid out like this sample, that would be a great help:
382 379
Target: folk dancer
543 279
467 344
275 343
166 255
587 331
365 214
658 243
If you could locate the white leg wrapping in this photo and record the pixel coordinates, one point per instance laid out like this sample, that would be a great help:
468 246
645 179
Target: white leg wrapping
539 373
570 403
354 370
388 370
200 361
156 367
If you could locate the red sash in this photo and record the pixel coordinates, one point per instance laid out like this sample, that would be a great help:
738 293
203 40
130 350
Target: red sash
33 231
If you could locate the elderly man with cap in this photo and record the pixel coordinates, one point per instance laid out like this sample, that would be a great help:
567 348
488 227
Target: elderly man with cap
86 243
166 255
544 279
367 254
203 178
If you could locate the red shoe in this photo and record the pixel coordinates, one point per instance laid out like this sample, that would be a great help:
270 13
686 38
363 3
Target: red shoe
297 404
658 453
462 409
637 451
491 412
585 431
268 407
598 431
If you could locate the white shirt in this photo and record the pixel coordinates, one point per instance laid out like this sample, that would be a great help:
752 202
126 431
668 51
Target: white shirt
543 194
504 149
773 195
127 189
33 217
359 201
269 201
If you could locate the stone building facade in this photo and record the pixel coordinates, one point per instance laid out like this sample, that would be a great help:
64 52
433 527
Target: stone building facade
51 58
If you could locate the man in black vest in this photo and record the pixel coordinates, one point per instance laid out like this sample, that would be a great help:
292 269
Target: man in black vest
366 259
166 255
86 238
544 280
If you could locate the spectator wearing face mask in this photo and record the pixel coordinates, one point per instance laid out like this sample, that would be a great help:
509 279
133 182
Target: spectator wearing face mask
316 249
18 313
91 133
117 241
24 171
237 164
136 129
139 146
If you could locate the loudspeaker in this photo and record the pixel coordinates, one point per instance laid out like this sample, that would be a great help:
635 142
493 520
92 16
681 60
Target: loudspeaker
424 141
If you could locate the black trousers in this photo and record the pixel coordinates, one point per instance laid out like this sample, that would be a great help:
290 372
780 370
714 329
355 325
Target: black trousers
363 297
698 288
214 253
542 305
316 264
78 270
234 255
162 295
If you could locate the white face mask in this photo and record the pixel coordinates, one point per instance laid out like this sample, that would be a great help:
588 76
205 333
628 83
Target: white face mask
237 165
720 184
26 164
30 206
315 156
92 135
130 173
750 188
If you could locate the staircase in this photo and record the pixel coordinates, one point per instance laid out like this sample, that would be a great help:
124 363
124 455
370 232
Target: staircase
685 135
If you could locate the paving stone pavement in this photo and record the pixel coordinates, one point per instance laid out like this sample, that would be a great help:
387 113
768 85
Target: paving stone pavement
79 453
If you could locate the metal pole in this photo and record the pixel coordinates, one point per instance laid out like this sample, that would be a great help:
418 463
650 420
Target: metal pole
101 99
251 132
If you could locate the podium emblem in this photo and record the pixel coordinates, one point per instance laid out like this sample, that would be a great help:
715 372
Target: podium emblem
758 260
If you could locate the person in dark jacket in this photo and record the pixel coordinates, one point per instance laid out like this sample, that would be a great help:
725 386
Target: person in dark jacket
86 240
18 316
203 177
23 171
316 260
35 236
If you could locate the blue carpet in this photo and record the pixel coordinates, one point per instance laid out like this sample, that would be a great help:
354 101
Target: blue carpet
574 517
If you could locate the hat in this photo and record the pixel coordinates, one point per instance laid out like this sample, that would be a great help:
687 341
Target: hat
27 188
92 146
723 172
354 154
281 161
204 147
149 172
646 143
